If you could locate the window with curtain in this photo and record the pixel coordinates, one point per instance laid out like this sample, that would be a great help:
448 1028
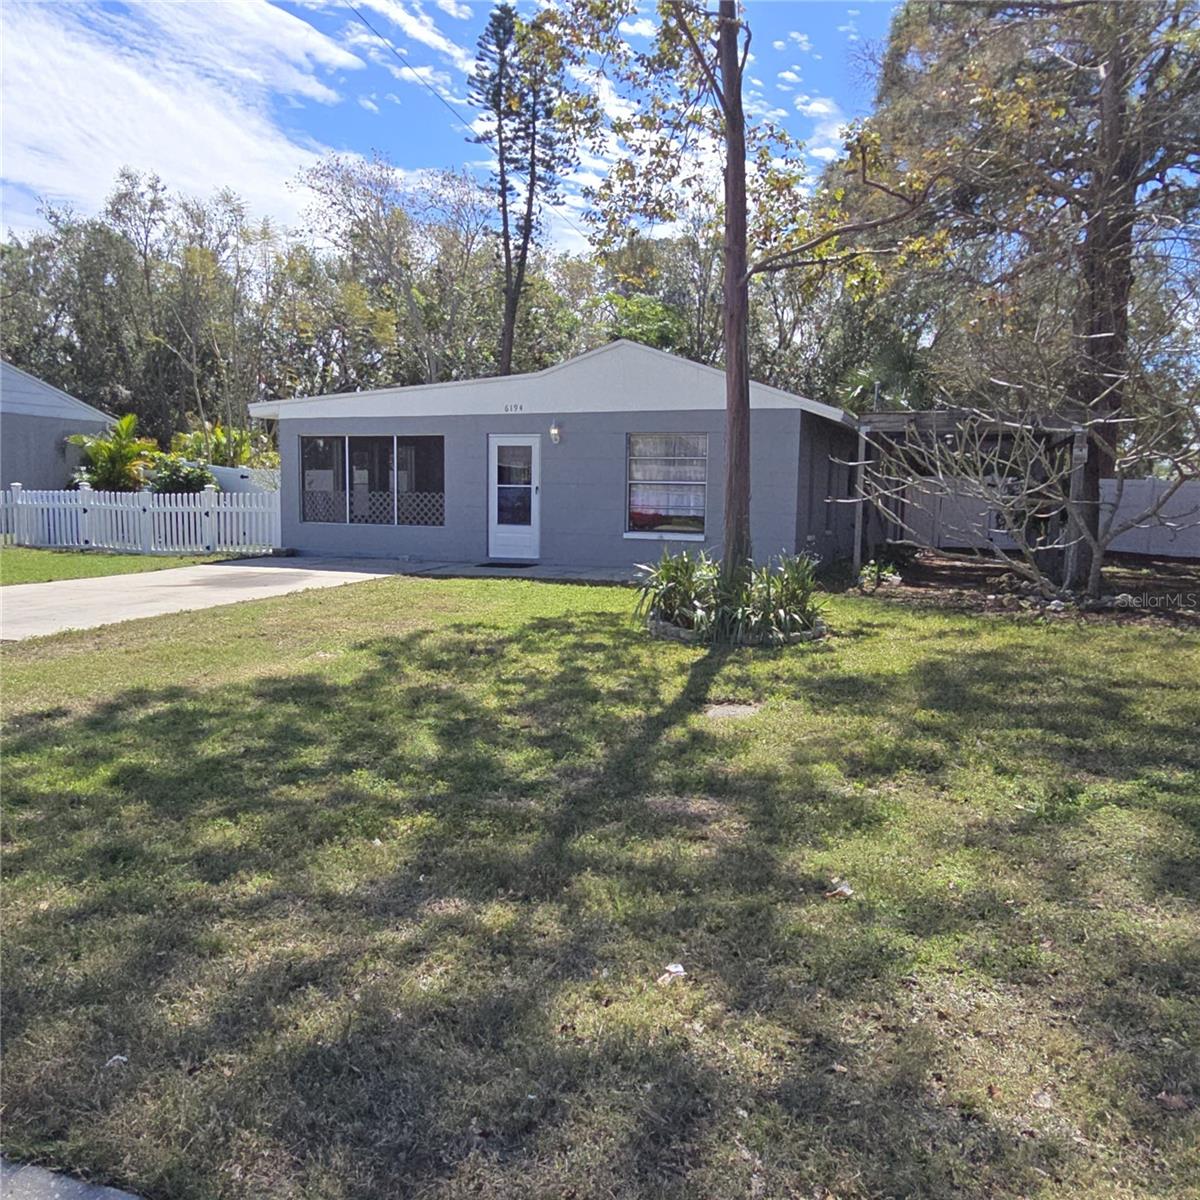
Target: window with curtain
667 482
323 479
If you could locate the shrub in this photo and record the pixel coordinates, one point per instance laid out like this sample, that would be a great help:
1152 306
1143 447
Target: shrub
769 605
176 475
681 590
116 460
225 446
877 572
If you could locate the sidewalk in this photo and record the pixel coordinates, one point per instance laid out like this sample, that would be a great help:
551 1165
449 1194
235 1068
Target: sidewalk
35 1183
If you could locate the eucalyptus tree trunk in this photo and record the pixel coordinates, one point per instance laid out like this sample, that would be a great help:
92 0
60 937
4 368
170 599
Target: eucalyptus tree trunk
737 548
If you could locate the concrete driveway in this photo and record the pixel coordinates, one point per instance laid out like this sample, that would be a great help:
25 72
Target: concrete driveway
35 609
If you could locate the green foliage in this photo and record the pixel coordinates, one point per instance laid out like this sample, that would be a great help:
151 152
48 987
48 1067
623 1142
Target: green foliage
681 589
876 572
173 473
225 447
645 319
117 460
769 604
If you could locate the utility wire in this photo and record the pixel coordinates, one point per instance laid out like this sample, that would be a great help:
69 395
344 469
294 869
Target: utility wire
402 59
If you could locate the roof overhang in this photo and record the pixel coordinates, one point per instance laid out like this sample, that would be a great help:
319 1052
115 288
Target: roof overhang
693 386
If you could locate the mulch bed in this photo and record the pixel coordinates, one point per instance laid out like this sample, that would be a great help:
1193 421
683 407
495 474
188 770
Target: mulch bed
1166 591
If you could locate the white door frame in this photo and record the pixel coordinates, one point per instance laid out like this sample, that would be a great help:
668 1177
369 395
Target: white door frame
515 541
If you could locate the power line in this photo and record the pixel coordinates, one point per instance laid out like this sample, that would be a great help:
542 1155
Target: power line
403 61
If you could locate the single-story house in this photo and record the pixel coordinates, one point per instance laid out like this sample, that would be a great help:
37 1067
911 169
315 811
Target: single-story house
603 460
35 421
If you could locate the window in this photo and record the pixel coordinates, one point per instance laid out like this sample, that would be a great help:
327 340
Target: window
514 485
371 500
420 481
667 482
392 480
323 479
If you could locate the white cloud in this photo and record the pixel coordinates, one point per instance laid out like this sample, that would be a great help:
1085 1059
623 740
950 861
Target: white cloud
825 139
850 30
643 27
369 104
788 77
778 45
452 8
183 90
417 25
801 39
363 40
852 12
817 106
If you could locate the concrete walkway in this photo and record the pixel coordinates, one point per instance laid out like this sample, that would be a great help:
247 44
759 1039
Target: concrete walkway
34 1183
36 609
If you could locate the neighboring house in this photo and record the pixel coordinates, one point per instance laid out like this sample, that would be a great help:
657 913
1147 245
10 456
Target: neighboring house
604 460
35 422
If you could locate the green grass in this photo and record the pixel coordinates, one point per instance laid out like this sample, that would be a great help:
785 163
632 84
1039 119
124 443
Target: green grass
19 564
371 888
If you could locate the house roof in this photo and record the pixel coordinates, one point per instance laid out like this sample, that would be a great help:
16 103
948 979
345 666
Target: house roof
621 376
23 393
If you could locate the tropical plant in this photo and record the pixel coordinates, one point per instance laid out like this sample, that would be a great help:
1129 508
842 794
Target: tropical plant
680 589
224 447
177 475
117 460
770 604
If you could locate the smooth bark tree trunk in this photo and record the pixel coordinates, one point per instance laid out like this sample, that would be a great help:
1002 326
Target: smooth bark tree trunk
737 547
1103 325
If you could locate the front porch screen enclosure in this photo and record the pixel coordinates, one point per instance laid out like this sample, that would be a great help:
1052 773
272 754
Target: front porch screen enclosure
373 480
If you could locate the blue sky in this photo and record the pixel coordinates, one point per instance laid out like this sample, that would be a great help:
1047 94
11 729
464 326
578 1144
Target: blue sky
247 93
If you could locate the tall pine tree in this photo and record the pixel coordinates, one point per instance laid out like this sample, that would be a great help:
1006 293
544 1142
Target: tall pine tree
517 85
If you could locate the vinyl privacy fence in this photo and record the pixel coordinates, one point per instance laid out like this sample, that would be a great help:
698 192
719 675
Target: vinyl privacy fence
944 515
208 522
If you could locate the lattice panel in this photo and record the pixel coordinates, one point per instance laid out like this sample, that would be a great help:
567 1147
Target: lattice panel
377 509
421 508
324 506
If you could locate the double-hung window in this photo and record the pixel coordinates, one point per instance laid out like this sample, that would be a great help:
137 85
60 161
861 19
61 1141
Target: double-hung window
666 482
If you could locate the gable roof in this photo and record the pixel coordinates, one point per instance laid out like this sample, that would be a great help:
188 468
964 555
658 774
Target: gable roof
21 392
624 376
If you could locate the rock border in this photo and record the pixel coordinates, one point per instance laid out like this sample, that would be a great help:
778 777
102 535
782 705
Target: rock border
666 631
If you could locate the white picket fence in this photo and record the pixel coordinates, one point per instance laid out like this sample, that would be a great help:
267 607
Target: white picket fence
207 522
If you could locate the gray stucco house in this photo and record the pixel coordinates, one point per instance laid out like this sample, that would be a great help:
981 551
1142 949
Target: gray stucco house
35 421
603 460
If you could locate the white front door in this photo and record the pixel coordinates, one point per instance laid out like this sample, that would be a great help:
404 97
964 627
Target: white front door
514 495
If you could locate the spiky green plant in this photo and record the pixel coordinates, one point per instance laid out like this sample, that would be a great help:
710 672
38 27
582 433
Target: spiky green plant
766 605
680 589
116 460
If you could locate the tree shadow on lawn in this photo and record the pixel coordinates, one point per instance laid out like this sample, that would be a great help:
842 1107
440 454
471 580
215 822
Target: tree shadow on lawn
468 1007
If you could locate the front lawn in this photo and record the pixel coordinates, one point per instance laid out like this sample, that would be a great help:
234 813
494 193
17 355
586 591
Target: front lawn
367 893
19 564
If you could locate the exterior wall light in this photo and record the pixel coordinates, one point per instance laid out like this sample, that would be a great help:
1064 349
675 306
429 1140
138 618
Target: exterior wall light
555 432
